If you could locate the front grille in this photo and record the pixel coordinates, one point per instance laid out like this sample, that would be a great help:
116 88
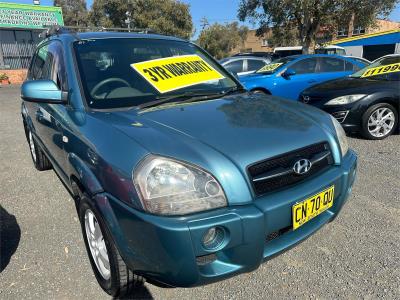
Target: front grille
277 172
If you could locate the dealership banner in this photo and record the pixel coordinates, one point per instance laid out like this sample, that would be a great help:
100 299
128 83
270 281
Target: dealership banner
29 16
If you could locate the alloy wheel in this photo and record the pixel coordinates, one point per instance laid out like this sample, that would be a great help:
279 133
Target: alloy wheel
32 146
381 122
97 244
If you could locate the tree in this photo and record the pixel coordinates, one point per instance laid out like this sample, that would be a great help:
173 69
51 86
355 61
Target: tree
219 40
170 17
363 13
305 17
74 12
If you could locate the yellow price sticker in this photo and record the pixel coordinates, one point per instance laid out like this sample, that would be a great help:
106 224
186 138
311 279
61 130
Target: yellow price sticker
269 68
382 70
173 73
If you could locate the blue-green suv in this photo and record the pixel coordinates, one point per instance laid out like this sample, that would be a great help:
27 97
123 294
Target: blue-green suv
179 175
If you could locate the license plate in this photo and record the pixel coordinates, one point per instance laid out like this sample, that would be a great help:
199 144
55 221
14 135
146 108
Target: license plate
310 208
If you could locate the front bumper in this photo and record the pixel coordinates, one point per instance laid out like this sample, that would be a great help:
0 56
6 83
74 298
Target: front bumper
169 249
349 116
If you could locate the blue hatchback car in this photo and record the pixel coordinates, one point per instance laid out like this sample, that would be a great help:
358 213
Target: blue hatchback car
287 77
179 175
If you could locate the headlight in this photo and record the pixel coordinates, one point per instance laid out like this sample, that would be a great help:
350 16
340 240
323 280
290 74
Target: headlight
341 136
169 187
342 100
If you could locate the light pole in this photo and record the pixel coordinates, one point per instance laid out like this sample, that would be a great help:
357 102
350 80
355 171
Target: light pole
128 20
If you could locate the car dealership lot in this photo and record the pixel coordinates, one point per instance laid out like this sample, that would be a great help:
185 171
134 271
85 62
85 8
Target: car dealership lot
43 255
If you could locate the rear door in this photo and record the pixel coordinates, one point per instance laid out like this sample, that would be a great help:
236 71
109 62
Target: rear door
332 67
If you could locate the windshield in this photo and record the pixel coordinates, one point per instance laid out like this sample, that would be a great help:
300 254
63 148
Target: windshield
130 72
387 68
276 64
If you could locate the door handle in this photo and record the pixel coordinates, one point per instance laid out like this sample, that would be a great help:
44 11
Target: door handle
312 81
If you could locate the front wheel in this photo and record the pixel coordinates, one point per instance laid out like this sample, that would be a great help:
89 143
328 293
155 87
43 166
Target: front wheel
110 270
379 121
40 161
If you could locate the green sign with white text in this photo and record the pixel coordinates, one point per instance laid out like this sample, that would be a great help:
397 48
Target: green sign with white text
29 16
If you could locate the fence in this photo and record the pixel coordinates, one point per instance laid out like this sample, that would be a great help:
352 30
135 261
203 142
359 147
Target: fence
18 46
16 55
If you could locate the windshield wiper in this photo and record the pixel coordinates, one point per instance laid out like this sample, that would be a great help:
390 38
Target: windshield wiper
215 95
192 97
175 98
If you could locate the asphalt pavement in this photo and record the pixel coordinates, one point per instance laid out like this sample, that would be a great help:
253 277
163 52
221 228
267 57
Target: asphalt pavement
43 254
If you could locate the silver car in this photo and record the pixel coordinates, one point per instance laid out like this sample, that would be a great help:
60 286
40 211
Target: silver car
242 65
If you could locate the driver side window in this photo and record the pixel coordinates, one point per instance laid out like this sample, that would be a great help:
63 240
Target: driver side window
48 64
305 66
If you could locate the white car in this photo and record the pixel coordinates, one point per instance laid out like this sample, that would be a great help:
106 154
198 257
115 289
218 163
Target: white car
243 65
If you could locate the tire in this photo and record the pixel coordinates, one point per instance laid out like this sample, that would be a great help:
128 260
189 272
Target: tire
120 280
386 118
40 160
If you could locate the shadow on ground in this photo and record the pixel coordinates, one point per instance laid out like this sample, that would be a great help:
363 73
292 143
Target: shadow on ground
141 293
10 234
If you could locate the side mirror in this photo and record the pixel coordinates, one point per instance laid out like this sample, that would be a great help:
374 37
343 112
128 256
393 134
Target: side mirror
43 91
288 73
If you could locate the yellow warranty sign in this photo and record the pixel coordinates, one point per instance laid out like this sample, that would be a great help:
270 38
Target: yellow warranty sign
173 73
269 68
382 70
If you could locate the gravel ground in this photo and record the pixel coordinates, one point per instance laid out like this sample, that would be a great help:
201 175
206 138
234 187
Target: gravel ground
43 255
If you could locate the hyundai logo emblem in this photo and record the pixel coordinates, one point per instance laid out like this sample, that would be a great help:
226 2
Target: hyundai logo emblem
306 99
302 166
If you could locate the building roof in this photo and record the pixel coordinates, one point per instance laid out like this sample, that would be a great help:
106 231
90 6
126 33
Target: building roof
379 38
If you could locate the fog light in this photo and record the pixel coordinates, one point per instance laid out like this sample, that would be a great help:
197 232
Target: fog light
340 115
213 238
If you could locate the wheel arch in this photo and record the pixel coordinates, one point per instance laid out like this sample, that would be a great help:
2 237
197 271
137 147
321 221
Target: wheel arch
82 179
384 97
264 90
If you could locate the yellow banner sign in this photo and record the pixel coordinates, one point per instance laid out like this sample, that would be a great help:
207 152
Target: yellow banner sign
269 68
173 73
382 70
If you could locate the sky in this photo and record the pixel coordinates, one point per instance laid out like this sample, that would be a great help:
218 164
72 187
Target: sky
220 11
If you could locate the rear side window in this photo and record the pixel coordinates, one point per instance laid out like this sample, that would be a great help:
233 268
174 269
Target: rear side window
331 64
351 67
254 64
305 66
235 66
48 64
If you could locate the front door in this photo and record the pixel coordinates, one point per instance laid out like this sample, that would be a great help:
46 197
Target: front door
290 87
48 119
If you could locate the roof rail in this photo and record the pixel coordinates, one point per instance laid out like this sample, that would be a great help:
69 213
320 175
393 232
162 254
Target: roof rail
51 30
57 29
